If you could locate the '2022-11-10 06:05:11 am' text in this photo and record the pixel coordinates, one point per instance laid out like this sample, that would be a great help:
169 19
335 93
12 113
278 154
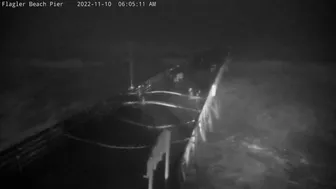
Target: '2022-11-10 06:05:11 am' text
32 4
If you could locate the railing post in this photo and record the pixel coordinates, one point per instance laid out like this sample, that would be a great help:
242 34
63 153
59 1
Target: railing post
131 61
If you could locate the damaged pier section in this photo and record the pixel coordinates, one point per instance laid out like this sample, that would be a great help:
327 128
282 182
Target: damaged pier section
110 144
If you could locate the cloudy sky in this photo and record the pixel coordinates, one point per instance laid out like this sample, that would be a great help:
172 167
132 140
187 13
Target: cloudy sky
299 24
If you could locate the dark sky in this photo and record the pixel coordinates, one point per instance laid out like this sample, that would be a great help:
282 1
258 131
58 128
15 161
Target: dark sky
244 24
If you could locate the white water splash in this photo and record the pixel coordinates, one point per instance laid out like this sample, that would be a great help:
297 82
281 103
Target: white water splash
205 122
